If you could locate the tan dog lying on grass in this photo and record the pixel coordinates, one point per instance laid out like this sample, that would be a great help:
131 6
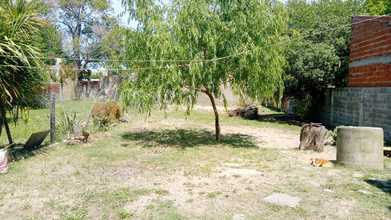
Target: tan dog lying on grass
321 163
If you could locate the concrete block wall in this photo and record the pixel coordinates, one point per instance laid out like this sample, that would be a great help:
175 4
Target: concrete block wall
359 106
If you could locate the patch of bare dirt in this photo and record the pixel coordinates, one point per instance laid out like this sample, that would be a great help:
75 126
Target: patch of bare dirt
234 187
138 206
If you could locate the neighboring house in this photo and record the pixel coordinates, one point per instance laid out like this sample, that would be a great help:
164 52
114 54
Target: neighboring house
367 99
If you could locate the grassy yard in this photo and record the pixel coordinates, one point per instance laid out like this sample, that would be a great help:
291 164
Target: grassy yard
38 119
169 167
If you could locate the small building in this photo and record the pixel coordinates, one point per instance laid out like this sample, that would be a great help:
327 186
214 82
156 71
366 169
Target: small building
366 101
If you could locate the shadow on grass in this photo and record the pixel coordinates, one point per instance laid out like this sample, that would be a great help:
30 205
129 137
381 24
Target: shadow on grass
384 185
185 138
289 119
23 153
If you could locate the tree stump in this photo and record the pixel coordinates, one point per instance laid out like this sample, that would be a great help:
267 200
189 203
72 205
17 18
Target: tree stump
313 137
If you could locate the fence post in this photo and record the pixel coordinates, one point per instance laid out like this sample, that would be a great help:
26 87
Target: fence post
52 117
3 117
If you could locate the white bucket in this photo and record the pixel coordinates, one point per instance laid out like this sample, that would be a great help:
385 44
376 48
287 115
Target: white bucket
3 161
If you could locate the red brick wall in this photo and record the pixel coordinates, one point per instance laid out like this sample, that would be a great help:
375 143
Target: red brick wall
370 39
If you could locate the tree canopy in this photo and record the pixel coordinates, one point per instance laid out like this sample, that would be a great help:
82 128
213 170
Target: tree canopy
201 46
378 7
318 50
84 24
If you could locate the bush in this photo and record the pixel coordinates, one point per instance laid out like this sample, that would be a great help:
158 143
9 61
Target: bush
104 114
303 106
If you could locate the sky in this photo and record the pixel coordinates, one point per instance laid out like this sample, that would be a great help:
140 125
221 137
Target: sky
120 12
124 17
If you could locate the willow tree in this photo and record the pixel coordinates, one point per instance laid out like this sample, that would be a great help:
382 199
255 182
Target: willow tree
187 47
19 75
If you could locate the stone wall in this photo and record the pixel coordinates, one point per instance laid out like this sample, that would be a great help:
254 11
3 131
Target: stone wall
359 106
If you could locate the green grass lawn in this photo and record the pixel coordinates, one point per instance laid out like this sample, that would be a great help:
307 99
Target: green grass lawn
38 119
170 167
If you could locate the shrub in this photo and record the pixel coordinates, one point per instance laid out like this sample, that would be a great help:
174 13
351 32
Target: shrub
104 114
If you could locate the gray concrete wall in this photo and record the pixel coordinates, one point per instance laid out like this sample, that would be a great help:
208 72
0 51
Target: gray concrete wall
359 106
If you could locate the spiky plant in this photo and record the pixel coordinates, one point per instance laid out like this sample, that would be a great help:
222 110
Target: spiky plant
19 69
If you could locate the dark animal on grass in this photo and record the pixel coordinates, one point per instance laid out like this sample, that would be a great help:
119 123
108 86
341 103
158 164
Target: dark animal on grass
85 135
248 112
234 113
313 137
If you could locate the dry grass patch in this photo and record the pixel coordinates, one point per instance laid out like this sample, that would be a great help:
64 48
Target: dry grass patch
171 168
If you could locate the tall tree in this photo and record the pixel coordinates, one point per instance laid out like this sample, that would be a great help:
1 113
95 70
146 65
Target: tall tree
85 22
20 24
113 47
50 42
318 52
214 43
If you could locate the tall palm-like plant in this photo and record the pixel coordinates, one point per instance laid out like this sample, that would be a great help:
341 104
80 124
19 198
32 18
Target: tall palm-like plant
19 68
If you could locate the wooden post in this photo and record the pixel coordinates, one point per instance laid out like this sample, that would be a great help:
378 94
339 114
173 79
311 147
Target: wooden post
7 129
52 117
1 124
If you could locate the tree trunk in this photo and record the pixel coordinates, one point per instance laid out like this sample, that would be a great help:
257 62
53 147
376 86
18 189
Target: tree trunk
7 129
1 124
76 82
217 121
76 39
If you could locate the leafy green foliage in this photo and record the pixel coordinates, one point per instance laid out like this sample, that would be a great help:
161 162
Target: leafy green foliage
311 69
212 45
318 52
113 46
20 75
378 7
50 42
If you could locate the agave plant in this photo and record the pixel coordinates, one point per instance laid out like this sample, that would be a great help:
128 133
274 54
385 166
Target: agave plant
68 124
19 69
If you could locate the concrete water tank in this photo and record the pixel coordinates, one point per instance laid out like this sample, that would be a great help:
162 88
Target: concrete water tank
360 147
